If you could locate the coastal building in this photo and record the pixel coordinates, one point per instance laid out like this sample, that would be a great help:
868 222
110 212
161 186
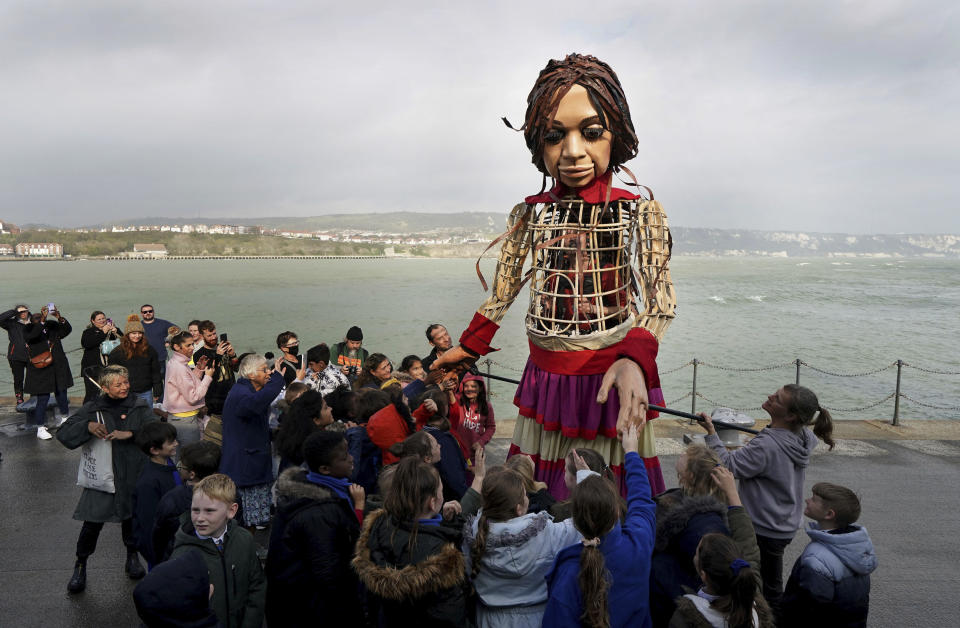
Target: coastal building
6 249
39 249
146 251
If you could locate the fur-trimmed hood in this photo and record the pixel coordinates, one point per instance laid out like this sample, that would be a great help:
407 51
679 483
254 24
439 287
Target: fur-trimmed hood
390 571
689 615
292 485
682 520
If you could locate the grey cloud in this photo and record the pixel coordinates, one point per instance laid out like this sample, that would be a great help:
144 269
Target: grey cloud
816 116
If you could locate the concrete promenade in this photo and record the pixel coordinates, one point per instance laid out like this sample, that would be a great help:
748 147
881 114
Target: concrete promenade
908 479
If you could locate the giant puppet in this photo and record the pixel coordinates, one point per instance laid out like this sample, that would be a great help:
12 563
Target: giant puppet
601 297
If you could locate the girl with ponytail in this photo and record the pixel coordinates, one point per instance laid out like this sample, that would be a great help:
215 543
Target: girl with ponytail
408 556
510 551
771 468
604 581
729 597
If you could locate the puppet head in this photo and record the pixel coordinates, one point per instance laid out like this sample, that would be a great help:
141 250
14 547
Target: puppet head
605 93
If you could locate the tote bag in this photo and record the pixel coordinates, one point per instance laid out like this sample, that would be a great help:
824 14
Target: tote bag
96 464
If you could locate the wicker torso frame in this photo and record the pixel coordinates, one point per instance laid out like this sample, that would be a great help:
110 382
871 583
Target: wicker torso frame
595 273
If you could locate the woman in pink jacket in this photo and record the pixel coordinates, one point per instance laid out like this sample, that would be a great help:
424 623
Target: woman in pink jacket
184 389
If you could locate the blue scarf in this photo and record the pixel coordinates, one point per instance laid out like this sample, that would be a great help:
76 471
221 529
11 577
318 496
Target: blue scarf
340 486
432 521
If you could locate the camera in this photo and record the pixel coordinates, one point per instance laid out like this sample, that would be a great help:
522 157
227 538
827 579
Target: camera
223 337
352 371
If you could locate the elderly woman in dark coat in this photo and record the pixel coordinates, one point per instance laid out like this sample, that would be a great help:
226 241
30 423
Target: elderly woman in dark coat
124 415
246 455
46 335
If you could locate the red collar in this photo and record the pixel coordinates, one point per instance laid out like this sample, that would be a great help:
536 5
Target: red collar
594 192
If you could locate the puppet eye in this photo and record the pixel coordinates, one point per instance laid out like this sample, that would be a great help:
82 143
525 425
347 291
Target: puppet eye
553 136
593 133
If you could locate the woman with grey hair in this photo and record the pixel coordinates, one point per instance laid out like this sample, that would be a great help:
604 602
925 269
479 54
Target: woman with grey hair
115 416
246 454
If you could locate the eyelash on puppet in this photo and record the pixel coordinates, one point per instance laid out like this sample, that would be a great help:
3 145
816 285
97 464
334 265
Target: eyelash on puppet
590 133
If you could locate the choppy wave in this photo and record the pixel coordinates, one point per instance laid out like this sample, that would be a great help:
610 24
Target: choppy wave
717 299
758 298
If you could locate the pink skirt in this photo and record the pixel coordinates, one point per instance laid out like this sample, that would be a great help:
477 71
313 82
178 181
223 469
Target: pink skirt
558 413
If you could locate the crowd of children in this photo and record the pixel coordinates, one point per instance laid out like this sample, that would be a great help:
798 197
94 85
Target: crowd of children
386 514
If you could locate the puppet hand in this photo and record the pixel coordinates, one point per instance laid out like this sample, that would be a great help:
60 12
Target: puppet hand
454 359
627 377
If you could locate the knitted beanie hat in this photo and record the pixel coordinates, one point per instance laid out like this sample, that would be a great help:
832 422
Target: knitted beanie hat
354 333
133 324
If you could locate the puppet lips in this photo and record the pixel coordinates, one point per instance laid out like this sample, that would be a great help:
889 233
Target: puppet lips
577 171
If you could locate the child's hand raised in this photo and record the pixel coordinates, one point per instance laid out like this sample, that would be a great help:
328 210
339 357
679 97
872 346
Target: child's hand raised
578 461
630 438
359 496
723 478
451 509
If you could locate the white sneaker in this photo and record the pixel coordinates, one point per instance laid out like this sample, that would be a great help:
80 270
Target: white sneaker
63 419
43 434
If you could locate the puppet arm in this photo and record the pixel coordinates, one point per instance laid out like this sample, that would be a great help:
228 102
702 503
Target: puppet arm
506 284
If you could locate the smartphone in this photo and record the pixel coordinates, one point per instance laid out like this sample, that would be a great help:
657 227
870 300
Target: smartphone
109 321
51 307
223 337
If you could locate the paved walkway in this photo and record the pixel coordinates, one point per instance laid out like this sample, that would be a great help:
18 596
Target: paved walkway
909 483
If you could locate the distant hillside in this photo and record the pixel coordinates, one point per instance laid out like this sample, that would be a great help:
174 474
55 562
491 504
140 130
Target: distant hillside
799 244
388 222
474 226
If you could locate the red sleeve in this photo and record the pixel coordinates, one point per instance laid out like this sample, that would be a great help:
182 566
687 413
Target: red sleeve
479 334
455 415
489 426
421 415
359 514
641 346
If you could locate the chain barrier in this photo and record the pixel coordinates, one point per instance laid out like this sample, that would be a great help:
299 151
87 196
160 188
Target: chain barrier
819 370
929 405
503 366
679 368
772 367
872 405
932 371
678 399
722 405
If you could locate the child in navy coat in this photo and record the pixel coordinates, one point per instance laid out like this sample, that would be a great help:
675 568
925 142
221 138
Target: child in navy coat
159 441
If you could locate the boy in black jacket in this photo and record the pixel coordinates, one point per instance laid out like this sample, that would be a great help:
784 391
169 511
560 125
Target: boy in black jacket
159 441
310 582
197 461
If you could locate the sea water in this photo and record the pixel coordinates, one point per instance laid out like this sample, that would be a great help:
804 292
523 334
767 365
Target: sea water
746 320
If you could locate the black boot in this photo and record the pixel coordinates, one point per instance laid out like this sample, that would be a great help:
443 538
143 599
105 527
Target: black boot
79 580
134 568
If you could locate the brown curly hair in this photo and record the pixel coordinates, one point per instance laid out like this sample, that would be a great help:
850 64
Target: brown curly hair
605 92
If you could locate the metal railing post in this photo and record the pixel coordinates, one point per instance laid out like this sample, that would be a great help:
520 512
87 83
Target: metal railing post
693 396
896 399
798 372
488 376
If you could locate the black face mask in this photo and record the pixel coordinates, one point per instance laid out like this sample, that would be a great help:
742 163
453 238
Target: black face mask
294 350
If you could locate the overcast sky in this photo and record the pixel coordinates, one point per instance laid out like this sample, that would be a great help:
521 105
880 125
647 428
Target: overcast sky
819 115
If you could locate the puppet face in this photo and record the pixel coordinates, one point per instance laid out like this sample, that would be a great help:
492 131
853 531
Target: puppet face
576 148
